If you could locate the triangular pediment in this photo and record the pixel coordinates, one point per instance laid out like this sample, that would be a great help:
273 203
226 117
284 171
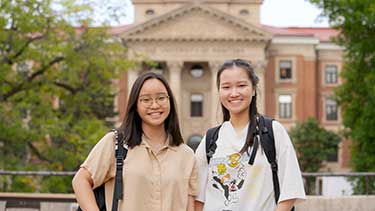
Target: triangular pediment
196 22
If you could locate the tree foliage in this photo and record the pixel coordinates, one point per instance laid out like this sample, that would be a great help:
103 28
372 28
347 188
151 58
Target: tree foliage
356 21
313 145
56 94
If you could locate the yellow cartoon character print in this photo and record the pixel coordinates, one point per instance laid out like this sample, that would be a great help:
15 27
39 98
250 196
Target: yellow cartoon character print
228 176
234 160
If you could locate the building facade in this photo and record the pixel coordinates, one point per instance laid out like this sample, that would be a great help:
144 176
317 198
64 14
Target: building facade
188 40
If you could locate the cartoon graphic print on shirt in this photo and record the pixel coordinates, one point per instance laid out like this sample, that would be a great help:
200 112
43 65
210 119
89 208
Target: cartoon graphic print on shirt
228 176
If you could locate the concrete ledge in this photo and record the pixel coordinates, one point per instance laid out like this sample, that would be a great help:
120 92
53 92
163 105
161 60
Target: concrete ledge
55 202
339 203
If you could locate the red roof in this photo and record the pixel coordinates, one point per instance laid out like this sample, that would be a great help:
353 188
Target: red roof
323 33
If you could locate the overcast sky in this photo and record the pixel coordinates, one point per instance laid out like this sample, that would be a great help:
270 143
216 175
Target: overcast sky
273 12
290 13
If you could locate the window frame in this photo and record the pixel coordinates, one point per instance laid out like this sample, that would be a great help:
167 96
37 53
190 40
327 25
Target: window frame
327 100
293 78
200 113
336 74
289 106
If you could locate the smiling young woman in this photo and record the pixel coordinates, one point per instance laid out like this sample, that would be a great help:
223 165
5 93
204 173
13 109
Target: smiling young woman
229 181
156 153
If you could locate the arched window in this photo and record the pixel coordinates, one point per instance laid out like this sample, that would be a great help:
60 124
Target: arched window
150 12
196 71
194 141
244 12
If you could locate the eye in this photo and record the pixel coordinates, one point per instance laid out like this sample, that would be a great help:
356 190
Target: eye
161 98
243 85
225 87
146 100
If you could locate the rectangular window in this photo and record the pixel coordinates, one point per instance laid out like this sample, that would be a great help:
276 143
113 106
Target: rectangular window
333 157
285 106
196 109
285 69
331 74
331 110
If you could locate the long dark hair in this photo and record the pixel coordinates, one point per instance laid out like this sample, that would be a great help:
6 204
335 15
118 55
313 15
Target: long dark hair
253 111
131 126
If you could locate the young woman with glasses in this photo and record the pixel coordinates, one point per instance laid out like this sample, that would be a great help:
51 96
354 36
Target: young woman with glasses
159 170
228 181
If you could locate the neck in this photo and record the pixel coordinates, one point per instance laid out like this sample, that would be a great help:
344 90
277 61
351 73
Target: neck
156 134
239 121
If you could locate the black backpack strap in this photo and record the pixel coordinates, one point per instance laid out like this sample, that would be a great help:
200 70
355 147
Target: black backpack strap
211 137
255 145
121 151
268 144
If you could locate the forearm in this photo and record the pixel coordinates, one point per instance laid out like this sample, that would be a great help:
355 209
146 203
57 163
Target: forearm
190 206
82 186
285 205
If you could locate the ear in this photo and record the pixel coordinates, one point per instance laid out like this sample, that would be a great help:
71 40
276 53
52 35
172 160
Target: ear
253 94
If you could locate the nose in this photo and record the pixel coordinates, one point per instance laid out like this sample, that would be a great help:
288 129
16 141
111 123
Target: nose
154 104
234 92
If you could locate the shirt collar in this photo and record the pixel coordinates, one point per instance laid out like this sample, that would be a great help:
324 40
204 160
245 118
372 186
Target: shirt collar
168 143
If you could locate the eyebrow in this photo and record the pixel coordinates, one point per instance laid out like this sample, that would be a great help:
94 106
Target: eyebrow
237 82
148 95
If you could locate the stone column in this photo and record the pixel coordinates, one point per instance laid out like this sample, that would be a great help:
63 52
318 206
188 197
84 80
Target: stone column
132 76
260 70
175 68
215 114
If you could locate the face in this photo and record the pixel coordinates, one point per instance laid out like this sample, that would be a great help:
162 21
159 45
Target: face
153 104
235 90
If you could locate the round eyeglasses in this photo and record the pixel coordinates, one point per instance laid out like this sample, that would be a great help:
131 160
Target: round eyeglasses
160 99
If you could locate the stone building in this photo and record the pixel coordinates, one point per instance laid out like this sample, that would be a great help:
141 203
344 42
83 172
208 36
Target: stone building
188 40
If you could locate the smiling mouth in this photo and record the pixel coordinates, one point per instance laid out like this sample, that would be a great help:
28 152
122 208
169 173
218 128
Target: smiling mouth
155 114
235 101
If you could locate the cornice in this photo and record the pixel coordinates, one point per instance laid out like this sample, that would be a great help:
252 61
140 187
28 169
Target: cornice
193 39
309 40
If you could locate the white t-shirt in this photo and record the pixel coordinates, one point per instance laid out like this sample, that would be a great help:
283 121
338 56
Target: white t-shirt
229 183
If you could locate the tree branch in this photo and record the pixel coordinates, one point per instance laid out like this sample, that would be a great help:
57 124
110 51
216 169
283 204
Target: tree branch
27 43
37 153
66 86
21 86
45 68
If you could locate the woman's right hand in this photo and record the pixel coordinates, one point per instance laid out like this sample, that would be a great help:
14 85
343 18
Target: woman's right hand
82 185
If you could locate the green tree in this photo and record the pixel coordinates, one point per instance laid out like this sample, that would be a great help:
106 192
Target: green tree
313 145
56 94
356 21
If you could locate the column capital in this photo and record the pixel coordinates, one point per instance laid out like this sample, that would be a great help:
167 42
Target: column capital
214 65
260 65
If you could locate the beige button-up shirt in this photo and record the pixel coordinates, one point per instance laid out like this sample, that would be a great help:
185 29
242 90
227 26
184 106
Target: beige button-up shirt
151 182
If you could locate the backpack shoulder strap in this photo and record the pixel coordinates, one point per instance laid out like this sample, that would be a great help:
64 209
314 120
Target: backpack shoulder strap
121 150
211 137
268 141
268 145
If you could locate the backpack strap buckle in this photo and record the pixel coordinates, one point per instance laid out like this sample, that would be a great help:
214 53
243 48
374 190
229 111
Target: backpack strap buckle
274 166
